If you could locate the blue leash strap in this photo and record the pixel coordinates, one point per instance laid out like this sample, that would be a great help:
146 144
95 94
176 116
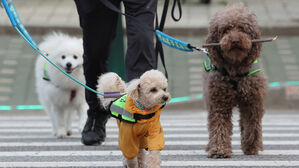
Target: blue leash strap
172 42
177 44
15 20
18 25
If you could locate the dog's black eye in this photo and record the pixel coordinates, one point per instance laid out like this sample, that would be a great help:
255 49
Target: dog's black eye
63 57
164 89
153 90
75 56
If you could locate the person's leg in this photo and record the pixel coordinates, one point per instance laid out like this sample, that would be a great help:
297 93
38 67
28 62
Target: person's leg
98 24
140 55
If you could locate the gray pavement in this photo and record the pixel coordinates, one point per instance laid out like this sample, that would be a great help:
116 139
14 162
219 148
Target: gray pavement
26 141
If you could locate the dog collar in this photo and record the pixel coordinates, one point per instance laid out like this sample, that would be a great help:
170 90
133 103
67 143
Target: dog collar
140 106
209 66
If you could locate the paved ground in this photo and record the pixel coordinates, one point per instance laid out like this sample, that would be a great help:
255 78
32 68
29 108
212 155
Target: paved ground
26 141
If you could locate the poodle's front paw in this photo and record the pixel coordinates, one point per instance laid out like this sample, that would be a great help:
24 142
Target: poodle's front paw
219 153
251 151
61 133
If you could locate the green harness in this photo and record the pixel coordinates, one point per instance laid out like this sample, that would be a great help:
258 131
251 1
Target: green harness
209 66
46 76
117 110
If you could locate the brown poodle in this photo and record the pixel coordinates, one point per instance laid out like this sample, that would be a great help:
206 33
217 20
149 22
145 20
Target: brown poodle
231 82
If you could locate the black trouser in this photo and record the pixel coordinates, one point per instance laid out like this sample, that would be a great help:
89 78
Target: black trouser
99 24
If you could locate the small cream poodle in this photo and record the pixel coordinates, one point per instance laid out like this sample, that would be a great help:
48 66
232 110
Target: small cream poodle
138 115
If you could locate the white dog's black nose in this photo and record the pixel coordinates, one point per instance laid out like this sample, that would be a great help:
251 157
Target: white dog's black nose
69 65
165 98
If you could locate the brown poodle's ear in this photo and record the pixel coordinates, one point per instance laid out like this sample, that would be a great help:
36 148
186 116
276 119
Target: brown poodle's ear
133 89
212 33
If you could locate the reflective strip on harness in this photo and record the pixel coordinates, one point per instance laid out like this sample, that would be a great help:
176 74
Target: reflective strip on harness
119 112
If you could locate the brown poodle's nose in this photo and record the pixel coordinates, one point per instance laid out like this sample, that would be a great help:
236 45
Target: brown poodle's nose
235 40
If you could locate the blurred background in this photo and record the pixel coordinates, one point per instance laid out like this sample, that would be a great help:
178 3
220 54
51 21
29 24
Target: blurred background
280 58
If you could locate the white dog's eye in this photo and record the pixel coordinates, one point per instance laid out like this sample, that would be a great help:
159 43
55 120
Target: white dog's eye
75 56
153 90
164 89
63 57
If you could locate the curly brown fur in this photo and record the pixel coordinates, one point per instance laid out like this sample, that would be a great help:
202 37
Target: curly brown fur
224 92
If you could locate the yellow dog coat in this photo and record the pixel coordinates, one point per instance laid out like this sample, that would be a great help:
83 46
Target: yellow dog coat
139 134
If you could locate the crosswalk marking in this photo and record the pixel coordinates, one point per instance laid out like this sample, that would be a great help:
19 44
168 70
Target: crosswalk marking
46 129
118 153
169 142
165 117
168 135
195 124
26 141
164 163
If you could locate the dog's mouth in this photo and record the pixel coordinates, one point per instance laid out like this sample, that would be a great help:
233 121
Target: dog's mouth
69 70
237 48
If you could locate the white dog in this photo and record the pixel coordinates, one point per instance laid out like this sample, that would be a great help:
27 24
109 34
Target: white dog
61 97
138 115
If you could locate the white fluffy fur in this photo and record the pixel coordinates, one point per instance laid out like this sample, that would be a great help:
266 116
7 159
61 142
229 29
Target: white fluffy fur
140 90
54 95
109 82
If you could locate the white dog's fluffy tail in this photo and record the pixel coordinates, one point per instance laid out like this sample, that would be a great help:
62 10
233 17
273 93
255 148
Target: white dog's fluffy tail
110 82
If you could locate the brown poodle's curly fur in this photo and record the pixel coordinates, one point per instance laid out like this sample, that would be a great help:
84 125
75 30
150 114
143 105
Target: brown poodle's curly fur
227 86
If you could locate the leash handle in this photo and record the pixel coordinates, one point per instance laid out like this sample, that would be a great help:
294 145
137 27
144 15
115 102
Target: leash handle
180 10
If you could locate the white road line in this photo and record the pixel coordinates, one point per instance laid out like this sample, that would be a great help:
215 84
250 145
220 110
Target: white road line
230 163
109 129
48 124
188 116
212 163
185 143
166 135
118 153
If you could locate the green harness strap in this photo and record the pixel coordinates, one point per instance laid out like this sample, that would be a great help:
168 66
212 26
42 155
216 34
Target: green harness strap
209 66
46 76
118 111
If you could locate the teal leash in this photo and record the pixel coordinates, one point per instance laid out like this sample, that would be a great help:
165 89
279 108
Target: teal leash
74 79
17 24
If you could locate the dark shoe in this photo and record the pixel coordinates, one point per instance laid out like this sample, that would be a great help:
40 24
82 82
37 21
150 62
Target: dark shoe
94 132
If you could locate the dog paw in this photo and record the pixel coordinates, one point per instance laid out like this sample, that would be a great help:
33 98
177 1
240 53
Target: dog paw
251 151
61 134
219 153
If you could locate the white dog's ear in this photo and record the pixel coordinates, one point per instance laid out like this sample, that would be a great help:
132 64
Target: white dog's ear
133 89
